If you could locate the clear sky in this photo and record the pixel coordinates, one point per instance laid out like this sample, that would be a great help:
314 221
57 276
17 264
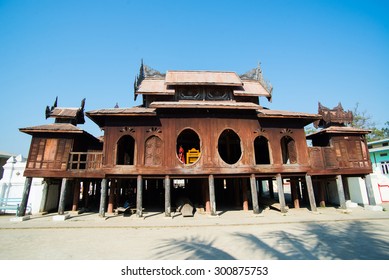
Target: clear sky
327 51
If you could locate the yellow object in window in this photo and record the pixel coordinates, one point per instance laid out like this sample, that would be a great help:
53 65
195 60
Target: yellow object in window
192 155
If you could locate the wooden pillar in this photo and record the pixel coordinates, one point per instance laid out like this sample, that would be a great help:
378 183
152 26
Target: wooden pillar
26 193
139 196
168 208
103 197
339 185
254 194
271 190
112 196
311 194
45 191
212 199
322 194
369 189
281 196
295 195
62 197
76 195
244 195
206 196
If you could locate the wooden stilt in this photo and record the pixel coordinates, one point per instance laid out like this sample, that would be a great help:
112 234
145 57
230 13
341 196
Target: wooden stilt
103 197
369 190
322 194
45 191
26 193
311 194
244 195
111 197
62 197
254 194
168 208
271 189
206 197
212 198
139 196
295 197
76 195
339 185
281 196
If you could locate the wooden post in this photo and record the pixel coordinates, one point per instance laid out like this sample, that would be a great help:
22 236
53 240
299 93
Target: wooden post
45 191
212 198
254 194
26 193
339 185
62 197
311 194
322 194
369 189
244 195
139 196
295 196
111 197
206 196
76 195
281 196
103 197
271 190
168 208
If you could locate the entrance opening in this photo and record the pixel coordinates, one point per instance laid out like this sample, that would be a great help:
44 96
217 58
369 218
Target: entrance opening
188 146
288 148
125 151
229 146
261 148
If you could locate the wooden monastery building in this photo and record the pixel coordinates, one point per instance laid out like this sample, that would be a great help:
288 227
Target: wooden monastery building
199 139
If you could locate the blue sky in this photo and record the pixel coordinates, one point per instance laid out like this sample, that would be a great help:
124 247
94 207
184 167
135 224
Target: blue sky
327 51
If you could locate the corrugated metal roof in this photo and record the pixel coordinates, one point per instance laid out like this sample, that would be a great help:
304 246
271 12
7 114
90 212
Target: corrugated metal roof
154 86
339 130
202 78
205 104
64 112
280 114
53 127
251 88
121 111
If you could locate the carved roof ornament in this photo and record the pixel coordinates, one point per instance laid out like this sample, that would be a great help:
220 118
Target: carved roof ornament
145 72
336 116
66 115
256 74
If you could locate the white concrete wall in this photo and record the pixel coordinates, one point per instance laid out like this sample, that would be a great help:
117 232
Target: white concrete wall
12 183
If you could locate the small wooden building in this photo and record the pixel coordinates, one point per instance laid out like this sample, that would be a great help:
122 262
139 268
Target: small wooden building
201 137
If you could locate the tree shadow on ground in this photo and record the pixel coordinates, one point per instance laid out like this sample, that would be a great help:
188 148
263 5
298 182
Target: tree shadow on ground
192 248
355 240
351 241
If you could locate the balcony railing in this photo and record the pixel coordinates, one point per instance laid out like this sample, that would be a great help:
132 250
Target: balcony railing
85 160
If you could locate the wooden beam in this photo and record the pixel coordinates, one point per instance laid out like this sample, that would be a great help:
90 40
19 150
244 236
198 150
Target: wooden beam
112 196
339 185
244 195
103 197
168 208
212 198
311 194
76 195
294 183
139 196
254 194
281 196
26 193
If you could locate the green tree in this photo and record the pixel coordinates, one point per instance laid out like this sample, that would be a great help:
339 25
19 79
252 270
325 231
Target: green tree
361 119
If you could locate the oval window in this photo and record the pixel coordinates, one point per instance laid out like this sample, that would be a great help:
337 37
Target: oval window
188 146
229 146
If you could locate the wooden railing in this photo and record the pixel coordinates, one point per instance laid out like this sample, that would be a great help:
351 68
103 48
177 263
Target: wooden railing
85 160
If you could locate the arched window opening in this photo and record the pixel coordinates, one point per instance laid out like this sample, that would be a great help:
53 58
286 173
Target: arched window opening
125 151
288 148
261 148
229 146
153 151
188 146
